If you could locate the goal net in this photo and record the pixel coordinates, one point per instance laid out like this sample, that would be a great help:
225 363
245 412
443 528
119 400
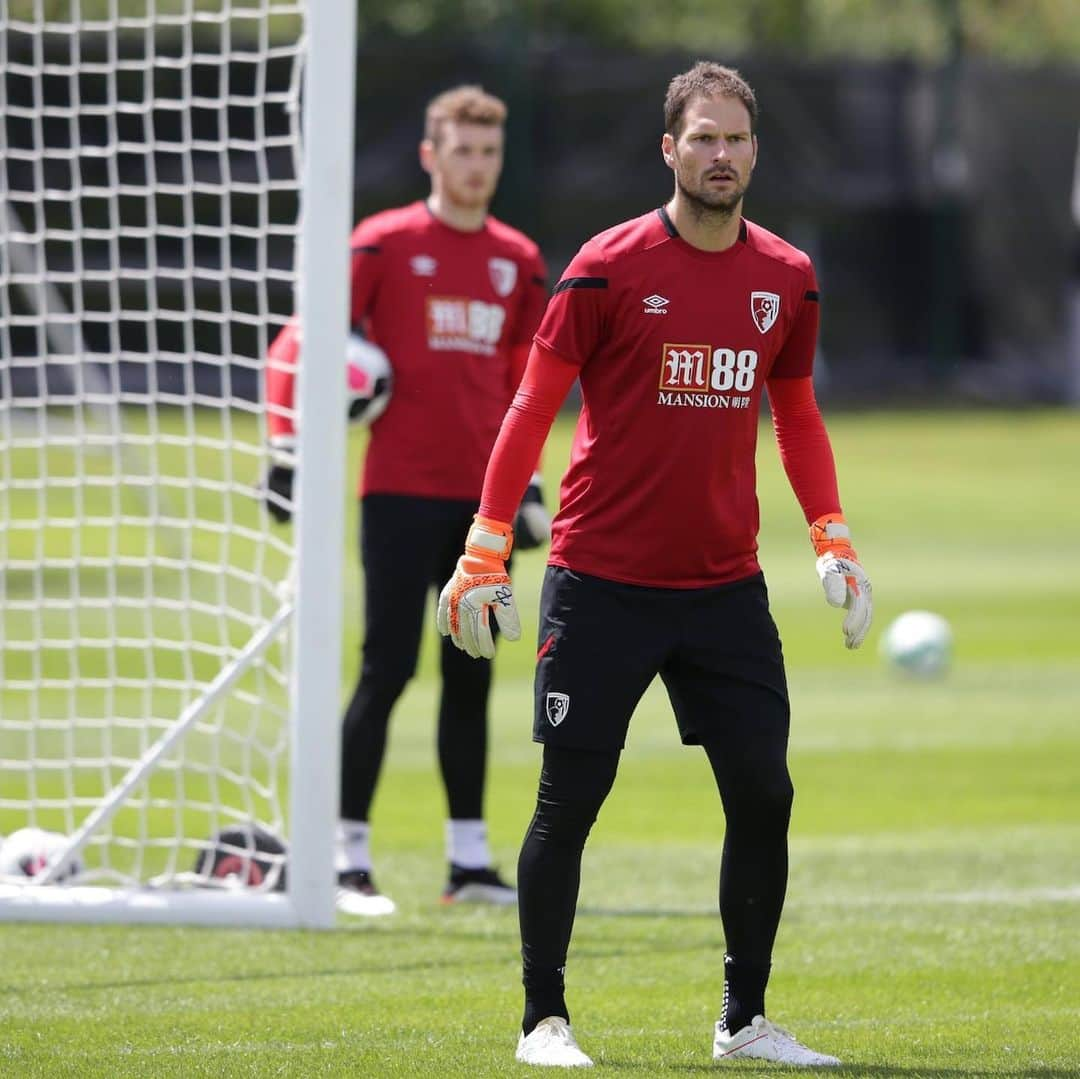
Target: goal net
150 189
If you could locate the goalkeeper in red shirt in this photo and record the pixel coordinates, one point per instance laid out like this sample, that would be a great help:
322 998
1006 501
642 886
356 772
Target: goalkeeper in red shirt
676 323
453 297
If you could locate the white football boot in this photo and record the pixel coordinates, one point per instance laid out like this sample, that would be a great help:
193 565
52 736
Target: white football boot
761 1040
357 895
551 1044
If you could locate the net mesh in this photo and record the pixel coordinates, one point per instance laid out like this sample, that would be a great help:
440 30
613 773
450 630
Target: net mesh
148 220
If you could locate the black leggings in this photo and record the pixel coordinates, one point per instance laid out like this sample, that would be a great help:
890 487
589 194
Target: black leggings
755 787
409 547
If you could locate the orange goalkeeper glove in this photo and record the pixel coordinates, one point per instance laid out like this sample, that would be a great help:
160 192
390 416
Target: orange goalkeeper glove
843 578
480 583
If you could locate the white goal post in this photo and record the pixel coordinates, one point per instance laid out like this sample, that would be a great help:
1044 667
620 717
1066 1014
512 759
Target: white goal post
175 177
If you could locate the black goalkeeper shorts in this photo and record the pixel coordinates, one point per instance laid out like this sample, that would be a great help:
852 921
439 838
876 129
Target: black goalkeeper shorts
602 643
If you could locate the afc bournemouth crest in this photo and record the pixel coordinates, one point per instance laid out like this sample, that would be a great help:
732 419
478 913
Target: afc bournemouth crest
764 307
558 704
503 275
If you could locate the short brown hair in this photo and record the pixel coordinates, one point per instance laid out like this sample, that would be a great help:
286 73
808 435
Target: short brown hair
466 105
705 79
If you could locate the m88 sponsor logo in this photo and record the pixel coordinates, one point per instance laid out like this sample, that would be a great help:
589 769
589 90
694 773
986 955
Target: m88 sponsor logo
701 376
458 324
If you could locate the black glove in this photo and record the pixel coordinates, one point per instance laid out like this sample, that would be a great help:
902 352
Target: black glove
532 522
278 488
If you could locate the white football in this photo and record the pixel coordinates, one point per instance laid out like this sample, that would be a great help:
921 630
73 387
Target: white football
918 643
25 853
370 379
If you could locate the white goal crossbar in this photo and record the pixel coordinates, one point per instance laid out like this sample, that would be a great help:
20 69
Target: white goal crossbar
169 654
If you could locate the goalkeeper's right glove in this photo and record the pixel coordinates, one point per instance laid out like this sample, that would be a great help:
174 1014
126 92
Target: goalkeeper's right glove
480 582
278 488
532 523
843 578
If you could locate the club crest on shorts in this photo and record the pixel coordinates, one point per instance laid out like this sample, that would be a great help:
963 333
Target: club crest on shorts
557 705
503 275
764 307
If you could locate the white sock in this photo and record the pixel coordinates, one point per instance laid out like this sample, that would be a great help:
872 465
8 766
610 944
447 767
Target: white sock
352 848
467 844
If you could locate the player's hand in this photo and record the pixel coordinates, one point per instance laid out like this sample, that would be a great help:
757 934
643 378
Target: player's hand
843 578
532 523
278 487
480 583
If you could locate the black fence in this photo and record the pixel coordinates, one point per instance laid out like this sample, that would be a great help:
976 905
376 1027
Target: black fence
934 201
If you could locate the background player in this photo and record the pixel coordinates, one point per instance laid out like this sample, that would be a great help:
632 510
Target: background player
675 323
453 296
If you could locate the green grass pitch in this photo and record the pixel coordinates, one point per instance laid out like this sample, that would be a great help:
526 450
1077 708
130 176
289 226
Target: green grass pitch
933 920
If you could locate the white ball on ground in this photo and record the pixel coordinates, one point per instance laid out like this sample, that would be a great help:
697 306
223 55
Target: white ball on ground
918 643
26 852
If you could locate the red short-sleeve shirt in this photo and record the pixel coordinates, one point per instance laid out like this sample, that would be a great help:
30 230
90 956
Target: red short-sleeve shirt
448 308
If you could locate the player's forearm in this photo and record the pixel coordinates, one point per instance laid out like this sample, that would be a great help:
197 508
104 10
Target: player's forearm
281 363
805 449
544 387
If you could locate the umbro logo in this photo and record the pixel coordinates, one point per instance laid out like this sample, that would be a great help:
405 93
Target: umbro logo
655 304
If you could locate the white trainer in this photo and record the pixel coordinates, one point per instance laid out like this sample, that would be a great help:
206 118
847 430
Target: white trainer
551 1044
356 894
356 903
763 1040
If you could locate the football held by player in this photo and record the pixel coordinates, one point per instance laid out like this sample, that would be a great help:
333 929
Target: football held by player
452 296
676 323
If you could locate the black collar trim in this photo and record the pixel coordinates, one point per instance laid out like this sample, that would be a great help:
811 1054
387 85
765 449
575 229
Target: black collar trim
673 232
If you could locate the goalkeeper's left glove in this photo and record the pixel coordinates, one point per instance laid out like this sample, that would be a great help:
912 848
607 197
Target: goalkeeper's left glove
532 523
480 582
280 477
844 580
